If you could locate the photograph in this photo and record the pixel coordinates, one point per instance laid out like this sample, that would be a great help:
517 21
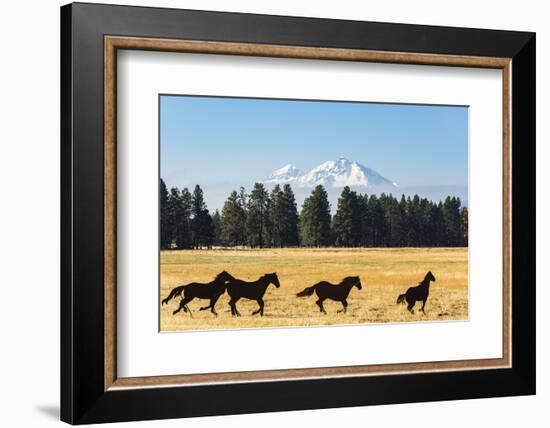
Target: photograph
295 213
267 211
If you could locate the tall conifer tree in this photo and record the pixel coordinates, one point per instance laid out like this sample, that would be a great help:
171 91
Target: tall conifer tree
347 220
290 221
233 220
201 223
276 217
257 221
216 228
315 219
165 238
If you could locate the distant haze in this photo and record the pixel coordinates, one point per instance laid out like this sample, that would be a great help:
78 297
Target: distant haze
224 143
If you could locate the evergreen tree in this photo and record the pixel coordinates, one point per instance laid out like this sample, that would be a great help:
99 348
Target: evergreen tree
365 217
216 228
452 221
464 224
243 203
276 217
401 224
173 213
289 234
315 219
424 239
377 222
177 219
257 220
242 197
347 220
414 220
437 226
165 237
390 206
183 230
232 228
201 223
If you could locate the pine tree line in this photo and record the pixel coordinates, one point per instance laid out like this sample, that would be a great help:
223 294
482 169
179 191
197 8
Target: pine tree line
184 219
270 219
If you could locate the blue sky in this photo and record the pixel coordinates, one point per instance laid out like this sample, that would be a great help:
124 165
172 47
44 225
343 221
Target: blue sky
217 141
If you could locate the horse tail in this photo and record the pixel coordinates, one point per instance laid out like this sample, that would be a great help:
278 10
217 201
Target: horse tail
175 292
307 291
400 299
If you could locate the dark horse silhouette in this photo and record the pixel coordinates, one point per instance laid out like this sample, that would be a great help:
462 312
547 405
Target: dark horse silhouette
419 293
211 290
253 290
326 290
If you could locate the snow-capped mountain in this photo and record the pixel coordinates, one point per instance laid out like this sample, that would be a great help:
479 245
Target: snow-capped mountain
340 173
285 174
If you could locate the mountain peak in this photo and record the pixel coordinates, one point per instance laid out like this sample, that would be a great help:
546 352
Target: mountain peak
286 169
340 173
285 174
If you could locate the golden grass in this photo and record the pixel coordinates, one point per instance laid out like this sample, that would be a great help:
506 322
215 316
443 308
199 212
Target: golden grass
385 273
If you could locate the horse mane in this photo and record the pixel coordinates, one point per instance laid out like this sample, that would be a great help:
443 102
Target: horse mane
349 279
223 273
426 280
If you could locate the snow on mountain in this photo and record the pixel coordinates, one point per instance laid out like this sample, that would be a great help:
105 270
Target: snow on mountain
286 174
340 173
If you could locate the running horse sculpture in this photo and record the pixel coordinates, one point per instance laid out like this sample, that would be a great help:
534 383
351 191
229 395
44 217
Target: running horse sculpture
195 290
338 292
253 290
419 293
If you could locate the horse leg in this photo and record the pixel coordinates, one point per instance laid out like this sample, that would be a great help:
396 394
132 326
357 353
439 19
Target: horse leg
345 306
320 304
410 306
260 309
423 304
233 304
179 309
183 305
213 305
185 302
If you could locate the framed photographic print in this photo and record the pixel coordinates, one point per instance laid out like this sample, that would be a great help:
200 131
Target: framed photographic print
320 213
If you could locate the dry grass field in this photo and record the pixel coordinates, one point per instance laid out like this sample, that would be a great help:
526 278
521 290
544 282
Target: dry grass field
385 273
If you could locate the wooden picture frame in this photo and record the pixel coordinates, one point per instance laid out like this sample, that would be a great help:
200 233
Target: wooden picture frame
91 390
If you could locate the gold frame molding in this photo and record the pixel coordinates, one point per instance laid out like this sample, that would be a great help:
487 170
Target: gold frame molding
113 43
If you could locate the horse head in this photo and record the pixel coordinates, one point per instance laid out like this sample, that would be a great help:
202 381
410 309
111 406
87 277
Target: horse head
351 281
429 277
224 276
272 278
